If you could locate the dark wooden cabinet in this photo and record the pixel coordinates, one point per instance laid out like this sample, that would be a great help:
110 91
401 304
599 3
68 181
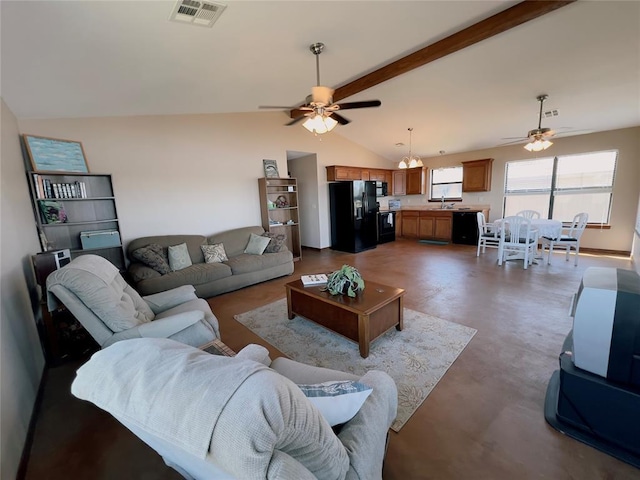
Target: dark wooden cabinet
476 175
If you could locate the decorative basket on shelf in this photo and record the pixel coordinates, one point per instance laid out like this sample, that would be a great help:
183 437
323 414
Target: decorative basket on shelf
282 202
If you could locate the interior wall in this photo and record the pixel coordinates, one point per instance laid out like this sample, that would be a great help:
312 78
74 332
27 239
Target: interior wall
305 170
196 173
21 358
626 187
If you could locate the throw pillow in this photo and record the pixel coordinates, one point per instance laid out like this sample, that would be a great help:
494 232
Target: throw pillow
214 253
152 256
338 402
276 242
179 257
257 244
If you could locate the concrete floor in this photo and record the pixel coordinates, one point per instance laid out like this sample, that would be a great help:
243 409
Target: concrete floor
484 419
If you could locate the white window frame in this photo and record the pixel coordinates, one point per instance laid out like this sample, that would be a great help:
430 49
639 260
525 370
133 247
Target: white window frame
552 191
431 184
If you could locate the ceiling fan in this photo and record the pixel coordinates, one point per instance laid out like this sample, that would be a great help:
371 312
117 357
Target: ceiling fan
538 137
321 113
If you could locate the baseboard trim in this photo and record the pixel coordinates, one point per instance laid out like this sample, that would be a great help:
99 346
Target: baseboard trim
28 442
603 251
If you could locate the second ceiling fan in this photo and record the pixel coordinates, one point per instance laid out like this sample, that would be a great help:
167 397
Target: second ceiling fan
321 114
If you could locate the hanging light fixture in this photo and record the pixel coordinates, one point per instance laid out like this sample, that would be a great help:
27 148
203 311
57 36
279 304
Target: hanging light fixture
319 123
410 161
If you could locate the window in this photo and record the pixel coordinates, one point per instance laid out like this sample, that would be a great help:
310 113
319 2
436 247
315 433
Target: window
560 187
446 183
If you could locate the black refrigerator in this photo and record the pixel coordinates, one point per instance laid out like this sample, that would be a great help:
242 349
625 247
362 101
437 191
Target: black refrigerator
353 210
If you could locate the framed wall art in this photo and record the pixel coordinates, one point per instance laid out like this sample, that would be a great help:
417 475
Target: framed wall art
55 155
270 168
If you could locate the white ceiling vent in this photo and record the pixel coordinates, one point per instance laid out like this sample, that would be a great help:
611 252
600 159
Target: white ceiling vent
550 113
197 12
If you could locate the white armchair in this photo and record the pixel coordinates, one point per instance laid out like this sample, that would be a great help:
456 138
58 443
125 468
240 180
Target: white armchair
93 290
215 417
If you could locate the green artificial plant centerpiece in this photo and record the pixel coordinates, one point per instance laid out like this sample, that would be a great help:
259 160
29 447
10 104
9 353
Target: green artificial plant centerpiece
346 280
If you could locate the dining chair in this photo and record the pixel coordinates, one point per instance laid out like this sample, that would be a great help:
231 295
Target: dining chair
488 234
570 238
517 240
530 214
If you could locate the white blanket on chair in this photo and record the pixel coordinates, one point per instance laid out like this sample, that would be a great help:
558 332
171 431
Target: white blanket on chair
172 390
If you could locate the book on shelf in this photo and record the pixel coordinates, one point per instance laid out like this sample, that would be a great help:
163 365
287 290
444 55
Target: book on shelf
316 279
52 211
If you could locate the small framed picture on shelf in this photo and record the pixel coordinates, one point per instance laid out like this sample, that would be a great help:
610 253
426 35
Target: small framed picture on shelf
270 169
55 155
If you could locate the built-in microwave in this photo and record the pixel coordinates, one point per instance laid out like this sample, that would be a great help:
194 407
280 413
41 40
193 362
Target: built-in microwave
381 189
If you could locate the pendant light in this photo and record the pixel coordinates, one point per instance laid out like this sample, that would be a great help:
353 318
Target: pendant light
410 161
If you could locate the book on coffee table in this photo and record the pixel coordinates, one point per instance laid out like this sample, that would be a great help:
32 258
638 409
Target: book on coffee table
317 279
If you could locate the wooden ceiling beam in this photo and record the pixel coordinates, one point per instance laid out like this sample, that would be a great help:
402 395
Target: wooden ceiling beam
487 28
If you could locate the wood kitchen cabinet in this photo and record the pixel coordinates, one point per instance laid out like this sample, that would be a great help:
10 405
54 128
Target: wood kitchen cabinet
427 224
399 224
378 175
399 182
335 173
410 223
415 181
476 175
435 225
365 175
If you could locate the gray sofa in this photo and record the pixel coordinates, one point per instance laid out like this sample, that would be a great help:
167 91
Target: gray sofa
210 279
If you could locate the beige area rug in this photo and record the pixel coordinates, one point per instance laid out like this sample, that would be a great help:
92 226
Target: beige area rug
416 358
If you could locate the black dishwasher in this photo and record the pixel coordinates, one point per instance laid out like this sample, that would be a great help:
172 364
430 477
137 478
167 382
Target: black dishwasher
465 228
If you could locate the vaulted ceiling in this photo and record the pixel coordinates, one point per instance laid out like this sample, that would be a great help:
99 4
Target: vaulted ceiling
112 58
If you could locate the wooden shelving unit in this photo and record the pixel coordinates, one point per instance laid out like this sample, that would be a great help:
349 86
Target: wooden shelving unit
279 210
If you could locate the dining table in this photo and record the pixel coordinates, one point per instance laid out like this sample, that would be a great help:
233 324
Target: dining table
545 227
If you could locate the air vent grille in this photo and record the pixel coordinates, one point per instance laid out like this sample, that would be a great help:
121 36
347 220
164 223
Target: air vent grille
550 113
197 12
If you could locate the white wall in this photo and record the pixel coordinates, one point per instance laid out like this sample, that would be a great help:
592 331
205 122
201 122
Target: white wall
21 356
305 170
197 173
626 188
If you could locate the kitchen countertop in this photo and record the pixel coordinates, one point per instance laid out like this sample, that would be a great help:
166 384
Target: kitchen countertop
470 208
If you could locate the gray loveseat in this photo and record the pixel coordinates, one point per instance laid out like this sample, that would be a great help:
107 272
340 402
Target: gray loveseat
210 279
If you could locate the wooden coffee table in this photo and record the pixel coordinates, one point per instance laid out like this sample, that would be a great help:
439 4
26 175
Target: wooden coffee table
361 319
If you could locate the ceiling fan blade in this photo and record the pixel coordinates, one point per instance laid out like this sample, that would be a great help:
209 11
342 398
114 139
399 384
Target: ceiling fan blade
515 138
521 140
340 119
295 120
364 104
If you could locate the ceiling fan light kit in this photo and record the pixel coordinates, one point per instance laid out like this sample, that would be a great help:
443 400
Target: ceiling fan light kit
537 137
410 161
538 145
320 113
319 124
